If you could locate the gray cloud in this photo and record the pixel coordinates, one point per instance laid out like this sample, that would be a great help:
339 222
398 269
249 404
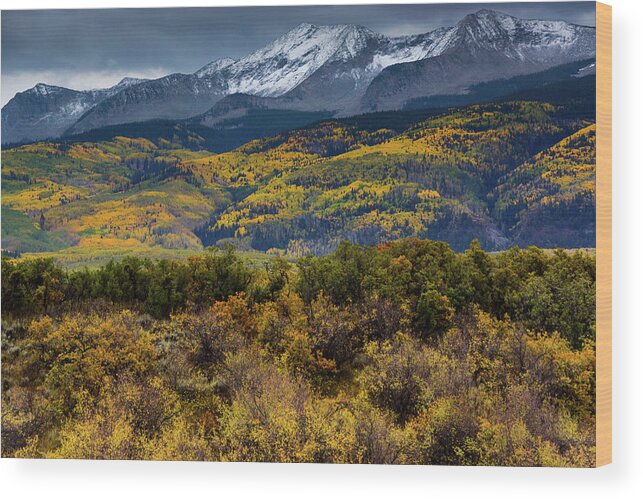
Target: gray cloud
87 48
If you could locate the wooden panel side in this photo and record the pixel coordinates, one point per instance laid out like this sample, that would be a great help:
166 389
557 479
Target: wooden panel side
603 234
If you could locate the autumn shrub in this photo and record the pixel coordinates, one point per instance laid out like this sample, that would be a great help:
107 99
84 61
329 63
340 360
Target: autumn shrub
406 353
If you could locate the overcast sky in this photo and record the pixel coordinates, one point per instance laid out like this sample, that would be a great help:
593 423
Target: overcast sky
85 49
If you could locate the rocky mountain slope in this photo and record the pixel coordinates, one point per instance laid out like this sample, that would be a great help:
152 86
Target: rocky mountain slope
343 69
483 46
47 110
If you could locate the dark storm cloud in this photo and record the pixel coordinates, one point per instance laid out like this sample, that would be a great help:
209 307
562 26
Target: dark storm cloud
69 45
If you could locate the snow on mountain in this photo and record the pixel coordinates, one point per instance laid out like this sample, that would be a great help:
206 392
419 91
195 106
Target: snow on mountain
529 40
214 66
44 89
282 65
482 47
45 111
314 68
407 49
290 59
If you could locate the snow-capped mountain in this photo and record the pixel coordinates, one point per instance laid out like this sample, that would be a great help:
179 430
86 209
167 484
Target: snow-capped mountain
175 96
484 46
46 111
126 82
351 66
290 59
311 67
526 40
339 68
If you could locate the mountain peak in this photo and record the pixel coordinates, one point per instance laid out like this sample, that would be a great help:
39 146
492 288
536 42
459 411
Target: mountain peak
323 30
533 39
44 89
490 18
490 13
291 58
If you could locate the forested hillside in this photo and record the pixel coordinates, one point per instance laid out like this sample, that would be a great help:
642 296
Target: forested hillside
507 173
97 194
434 181
404 353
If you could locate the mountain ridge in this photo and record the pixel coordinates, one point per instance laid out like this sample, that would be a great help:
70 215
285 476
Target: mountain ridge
52 105
481 47
344 69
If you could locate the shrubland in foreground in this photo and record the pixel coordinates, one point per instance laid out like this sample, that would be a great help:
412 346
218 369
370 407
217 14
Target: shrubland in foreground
407 353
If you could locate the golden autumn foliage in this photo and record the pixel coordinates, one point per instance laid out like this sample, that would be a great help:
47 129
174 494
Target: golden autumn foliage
408 353
496 172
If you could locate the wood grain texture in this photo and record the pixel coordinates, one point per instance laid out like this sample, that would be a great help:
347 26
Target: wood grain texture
603 234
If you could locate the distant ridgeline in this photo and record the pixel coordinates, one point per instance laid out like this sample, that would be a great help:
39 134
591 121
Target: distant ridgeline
338 70
517 170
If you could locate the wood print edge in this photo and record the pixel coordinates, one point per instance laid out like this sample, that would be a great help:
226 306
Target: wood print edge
603 234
